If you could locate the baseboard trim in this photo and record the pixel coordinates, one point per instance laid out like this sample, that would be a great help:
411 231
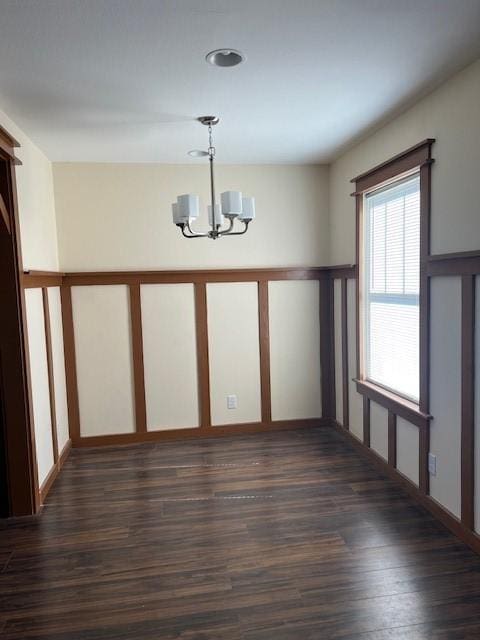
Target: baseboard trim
54 471
450 521
199 432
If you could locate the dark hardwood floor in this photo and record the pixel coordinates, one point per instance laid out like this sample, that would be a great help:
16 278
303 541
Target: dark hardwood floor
285 536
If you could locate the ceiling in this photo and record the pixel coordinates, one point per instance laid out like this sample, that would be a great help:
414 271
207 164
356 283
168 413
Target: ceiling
123 80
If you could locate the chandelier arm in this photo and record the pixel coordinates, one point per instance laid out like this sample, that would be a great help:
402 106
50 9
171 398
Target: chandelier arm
230 227
193 234
237 233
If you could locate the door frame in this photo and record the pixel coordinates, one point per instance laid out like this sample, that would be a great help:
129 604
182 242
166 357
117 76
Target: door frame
16 420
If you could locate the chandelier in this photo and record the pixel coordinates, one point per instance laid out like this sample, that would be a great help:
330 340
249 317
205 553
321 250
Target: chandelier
232 204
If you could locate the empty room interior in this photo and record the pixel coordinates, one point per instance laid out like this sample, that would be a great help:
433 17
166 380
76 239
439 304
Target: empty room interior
239 319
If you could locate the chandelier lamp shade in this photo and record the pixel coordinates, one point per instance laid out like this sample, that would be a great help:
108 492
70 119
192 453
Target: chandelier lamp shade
222 215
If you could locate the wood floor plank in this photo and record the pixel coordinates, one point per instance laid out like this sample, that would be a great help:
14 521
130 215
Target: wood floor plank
269 536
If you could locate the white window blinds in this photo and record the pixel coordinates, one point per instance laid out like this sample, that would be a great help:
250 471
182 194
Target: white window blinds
391 286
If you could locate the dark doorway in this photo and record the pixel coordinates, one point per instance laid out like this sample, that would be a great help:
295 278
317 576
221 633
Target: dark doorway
18 479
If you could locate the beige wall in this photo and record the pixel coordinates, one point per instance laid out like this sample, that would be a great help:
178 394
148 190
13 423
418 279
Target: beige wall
39 382
234 351
36 204
379 429
450 115
38 237
103 351
118 216
170 356
294 314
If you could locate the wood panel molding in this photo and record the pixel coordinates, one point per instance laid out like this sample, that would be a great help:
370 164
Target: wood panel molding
394 403
345 368
392 439
264 344
197 276
54 471
51 377
200 432
366 421
466 263
203 359
37 279
415 156
70 363
137 358
468 402
327 347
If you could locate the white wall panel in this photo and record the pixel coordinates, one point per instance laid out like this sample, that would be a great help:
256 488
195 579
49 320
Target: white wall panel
445 396
101 317
408 449
58 361
477 404
294 313
337 293
379 429
355 399
169 354
234 351
39 378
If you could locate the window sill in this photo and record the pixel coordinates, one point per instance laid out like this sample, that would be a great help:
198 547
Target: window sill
393 402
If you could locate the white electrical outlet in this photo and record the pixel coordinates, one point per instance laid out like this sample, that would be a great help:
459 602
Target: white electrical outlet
231 402
432 464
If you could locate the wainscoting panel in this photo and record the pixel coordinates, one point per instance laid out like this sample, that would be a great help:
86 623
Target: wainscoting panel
39 382
445 391
407 449
355 400
337 302
101 318
477 405
379 429
233 342
58 362
295 349
169 355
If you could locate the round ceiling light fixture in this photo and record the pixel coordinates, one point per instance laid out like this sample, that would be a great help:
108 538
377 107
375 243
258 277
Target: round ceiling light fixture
225 57
197 153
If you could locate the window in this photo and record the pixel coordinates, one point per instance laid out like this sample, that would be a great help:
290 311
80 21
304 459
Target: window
391 285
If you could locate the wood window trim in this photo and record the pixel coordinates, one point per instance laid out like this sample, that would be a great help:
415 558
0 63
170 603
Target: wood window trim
418 157
393 402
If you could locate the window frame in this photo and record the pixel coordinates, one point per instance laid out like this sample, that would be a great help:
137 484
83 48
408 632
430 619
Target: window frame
414 159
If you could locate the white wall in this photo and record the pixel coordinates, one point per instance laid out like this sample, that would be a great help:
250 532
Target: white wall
450 115
294 315
118 216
